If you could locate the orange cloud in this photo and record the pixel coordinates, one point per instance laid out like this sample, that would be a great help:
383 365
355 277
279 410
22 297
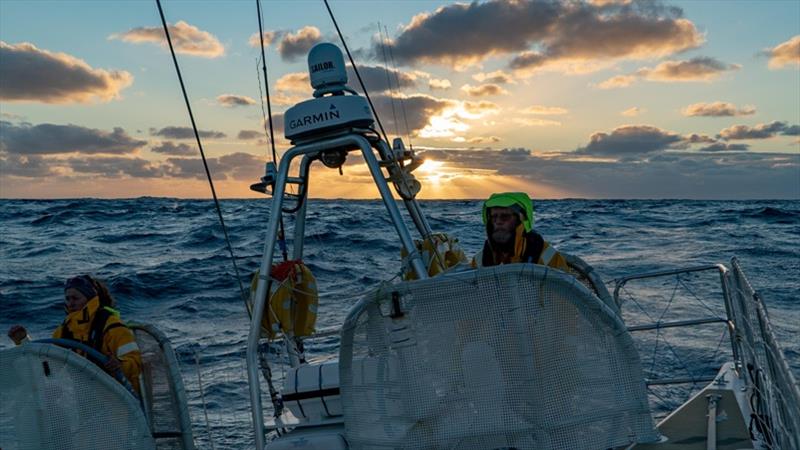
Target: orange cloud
608 31
231 100
785 54
717 109
30 74
544 110
483 90
186 39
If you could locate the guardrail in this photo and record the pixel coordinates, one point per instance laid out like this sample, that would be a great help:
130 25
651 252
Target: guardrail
759 361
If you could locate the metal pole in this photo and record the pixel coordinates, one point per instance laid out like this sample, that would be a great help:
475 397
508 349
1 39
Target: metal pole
711 442
300 218
260 299
391 206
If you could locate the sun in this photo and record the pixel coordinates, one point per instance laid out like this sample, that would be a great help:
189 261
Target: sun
431 171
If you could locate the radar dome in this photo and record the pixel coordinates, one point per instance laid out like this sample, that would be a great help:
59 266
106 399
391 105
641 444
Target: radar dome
326 67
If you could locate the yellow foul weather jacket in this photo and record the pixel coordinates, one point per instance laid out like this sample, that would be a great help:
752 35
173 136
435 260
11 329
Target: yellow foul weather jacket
115 338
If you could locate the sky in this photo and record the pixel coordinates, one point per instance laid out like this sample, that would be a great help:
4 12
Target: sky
579 99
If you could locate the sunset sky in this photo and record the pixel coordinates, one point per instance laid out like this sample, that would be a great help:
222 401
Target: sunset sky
595 99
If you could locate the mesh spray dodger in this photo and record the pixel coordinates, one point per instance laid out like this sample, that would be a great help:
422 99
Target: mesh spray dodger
518 201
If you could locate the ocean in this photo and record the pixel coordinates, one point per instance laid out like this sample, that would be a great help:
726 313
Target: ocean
166 263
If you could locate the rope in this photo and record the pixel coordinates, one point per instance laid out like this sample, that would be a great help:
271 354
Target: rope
203 398
281 229
202 153
402 102
355 69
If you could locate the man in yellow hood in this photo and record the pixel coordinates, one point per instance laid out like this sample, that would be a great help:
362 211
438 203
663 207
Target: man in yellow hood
510 237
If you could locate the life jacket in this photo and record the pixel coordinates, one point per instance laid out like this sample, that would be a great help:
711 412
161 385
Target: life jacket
439 252
97 325
529 247
293 300
100 328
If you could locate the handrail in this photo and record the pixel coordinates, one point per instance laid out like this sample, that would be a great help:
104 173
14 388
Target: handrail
94 356
726 297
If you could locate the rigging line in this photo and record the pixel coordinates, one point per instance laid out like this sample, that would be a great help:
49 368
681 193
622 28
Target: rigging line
263 111
266 83
202 153
355 69
388 80
402 101
281 228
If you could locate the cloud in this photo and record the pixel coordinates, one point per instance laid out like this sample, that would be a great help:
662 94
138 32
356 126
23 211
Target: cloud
529 122
760 131
484 139
185 133
170 148
269 38
294 82
695 175
113 167
724 147
544 110
496 77
29 166
237 166
30 74
376 79
294 45
483 90
231 100
700 139
641 30
47 138
419 110
380 79
632 111
785 54
717 109
617 81
434 83
695 69
630 140
186 39
247 135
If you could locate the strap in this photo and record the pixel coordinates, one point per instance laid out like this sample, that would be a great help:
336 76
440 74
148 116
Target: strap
535 246
97 330
487 255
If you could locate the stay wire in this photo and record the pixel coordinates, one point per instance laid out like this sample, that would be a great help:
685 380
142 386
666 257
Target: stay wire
281 229
389 81
202 153
355 69
402 101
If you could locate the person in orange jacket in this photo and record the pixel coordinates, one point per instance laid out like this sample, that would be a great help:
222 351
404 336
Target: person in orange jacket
92 321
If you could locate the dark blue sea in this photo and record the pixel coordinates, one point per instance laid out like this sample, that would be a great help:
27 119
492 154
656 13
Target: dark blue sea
166 263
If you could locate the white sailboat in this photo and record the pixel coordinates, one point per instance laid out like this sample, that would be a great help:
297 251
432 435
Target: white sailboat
518 356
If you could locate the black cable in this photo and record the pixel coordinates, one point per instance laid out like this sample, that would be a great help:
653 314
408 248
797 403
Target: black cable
402 102
202 153
281 229
355 69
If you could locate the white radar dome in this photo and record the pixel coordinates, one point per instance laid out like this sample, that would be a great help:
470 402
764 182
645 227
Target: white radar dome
326 67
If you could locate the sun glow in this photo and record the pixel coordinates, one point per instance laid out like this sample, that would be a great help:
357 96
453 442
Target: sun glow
431 171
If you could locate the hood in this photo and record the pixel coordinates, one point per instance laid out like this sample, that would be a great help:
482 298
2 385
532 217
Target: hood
516 200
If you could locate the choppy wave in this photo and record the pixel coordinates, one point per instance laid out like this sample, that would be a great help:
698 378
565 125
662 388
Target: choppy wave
166 262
